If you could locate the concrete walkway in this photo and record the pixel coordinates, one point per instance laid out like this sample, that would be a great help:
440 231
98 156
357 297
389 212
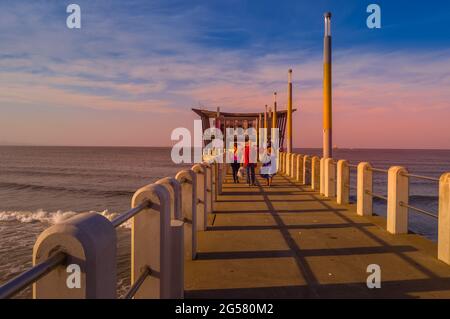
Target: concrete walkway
289 242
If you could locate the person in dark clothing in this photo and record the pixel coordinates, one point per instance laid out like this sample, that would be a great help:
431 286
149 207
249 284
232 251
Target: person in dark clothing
235 165
250 167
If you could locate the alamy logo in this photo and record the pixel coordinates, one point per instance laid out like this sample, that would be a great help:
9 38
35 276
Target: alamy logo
374 279
74 19
374 20
74 278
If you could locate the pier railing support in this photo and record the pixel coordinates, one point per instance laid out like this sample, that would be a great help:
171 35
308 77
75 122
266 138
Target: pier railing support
176 237
150 242
322 176
398 196
330 178
285 163
364 190
289 164
89 241
293 166
444 219
281 163
299 173
199 170
315 173
305 169
187 179
208 185
343 182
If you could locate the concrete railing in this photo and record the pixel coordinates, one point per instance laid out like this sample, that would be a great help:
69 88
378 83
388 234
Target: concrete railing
77 258
332 179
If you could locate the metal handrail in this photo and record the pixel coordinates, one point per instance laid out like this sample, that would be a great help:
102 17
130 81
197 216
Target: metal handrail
135 287
380 170
420 177
32 275
376 195
352 166
122 218
419 210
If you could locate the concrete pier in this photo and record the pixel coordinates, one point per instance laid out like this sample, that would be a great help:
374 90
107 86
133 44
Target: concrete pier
288 241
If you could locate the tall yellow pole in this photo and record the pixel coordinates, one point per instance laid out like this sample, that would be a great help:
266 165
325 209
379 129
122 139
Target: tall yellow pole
289 113
266 124
274 114
327 86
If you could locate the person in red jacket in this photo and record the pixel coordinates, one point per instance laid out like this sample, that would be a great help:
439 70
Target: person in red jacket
249 164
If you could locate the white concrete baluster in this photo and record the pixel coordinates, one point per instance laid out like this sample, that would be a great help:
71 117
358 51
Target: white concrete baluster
444 219
343 182
176 249
299 173
330 178
305 169
199 170
322 176
187 179
364 190
294 166
150 242
315 173
89 241
398 195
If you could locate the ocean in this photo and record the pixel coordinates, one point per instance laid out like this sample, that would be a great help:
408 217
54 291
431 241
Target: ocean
40 186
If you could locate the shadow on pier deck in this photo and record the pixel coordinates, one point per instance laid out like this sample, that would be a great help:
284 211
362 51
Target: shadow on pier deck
287 241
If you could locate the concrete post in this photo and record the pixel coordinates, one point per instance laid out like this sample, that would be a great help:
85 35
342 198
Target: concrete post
364 190
213 185
330 178
444 219
282 155
343 182
322 176
199 170
208 185
293 166
288 164
398 194
176 240
150 242
315 173
299 173
305 169
89 240
187 179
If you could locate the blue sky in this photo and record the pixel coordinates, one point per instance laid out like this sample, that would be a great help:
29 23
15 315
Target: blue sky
135 64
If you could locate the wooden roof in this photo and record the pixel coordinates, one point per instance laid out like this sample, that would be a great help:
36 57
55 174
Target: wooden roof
213 114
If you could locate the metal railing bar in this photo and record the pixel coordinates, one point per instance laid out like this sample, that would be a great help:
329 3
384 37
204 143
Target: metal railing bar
421 177
380 170
352 165
30 276
419 210
122 218
376 195
135 287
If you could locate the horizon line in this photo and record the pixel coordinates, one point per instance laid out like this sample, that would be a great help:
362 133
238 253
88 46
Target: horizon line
171 146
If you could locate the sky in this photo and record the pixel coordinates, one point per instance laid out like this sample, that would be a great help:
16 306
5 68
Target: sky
135 69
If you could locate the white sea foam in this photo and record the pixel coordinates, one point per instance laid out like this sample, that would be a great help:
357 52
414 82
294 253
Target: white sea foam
51 218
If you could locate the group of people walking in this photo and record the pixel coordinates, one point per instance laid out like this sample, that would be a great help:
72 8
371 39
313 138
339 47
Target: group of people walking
267 170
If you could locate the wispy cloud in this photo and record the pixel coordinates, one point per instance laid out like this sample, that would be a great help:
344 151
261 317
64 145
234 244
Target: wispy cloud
163 58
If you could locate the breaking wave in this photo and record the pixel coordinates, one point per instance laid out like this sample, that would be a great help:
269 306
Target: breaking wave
51 218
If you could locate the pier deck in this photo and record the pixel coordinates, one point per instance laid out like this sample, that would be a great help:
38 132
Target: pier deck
288 241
